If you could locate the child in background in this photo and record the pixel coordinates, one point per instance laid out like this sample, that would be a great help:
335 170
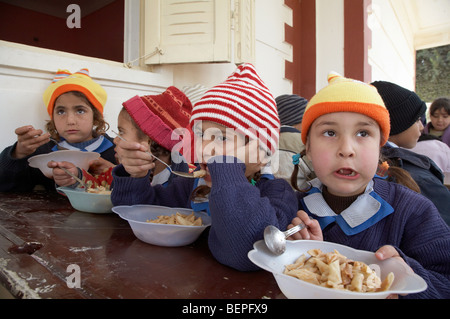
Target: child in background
344 126
150 120
75 104
440 120
290 110
405 110
236 125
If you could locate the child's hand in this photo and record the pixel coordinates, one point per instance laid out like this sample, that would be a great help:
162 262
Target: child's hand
28 140
312 230
62 178
386 252
98 166
253 156
133 157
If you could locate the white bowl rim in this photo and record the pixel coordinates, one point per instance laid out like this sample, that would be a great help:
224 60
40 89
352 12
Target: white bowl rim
65 189
156 224
63 151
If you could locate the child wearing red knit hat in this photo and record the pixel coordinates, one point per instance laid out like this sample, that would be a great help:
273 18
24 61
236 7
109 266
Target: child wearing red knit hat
344 126
236 128
75 104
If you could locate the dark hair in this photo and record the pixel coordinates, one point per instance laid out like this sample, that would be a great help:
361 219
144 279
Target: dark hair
440 103
101 126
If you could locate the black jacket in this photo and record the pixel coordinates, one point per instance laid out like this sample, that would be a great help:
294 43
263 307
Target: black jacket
426 174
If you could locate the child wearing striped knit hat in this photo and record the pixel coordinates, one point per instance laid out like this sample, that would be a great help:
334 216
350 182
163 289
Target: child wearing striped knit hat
236 129
344 126
75 104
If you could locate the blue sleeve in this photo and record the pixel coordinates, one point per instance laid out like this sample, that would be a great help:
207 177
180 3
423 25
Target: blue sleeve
240 212
133 191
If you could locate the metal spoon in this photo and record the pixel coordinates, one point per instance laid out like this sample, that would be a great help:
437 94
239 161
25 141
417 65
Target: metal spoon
182 174
57 145
275 239
76 178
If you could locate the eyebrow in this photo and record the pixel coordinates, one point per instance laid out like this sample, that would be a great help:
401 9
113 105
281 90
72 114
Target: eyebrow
361 123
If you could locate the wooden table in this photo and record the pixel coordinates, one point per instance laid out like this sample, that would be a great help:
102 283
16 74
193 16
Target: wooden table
47 249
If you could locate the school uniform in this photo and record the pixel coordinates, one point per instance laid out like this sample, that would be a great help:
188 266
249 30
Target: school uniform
17 175
389 214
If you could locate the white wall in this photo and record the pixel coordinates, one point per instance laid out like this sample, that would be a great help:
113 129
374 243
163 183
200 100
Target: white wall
25 72
329 39
392 55
270 53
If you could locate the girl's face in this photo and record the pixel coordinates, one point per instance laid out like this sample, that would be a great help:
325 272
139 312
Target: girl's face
344 148
440 119
129 132
73 118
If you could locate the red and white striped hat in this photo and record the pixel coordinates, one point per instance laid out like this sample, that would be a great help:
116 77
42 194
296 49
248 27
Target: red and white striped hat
242 102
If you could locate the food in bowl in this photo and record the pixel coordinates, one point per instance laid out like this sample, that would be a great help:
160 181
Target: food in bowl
168 235
405 282
99 190
334 270
178 219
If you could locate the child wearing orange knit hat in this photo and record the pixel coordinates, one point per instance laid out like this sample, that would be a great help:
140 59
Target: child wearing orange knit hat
344 126
75 104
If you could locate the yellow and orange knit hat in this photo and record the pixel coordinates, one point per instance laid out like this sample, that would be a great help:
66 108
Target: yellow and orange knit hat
80 81
347 95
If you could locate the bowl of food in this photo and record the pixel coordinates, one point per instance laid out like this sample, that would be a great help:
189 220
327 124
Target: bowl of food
323 270
164 226
78 158
96 201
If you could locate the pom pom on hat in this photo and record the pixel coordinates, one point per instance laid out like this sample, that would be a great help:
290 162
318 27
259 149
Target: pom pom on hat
405 107
242 102
80 81
159 115
347 95
291 108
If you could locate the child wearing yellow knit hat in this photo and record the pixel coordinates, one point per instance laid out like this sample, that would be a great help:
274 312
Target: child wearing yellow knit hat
75 104
344 126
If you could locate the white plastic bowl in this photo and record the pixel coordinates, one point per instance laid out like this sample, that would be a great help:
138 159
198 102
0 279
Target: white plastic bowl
405 281
88 202
78 158
161 234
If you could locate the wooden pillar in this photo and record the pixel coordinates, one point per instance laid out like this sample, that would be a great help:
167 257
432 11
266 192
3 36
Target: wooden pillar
357 40
302 36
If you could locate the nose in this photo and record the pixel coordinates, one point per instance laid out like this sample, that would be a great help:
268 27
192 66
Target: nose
71 118
346 148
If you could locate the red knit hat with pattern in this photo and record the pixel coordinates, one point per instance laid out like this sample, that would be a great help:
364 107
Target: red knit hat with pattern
159 115
242 102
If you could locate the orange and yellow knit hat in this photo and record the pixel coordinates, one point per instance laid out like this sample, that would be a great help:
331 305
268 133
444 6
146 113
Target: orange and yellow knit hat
80 81
347 95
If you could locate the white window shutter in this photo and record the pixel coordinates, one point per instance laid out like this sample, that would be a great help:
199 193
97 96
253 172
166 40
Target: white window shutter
183 31
244 31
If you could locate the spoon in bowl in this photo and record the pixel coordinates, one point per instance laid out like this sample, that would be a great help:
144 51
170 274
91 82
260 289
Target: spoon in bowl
196 174
275 239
